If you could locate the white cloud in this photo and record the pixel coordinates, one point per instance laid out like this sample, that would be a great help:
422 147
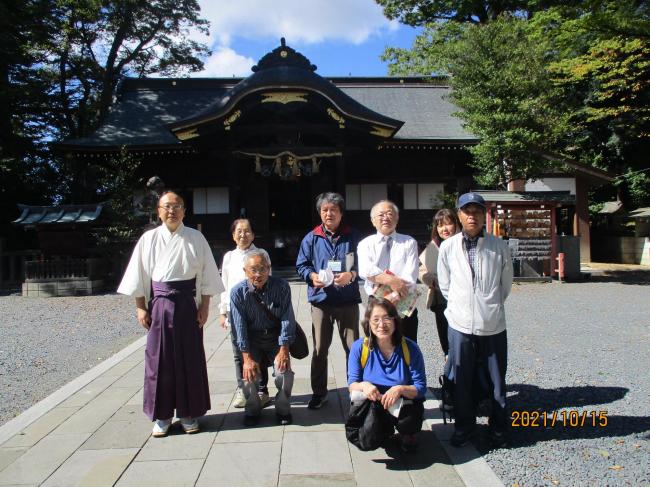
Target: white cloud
299 21
308 21
225 62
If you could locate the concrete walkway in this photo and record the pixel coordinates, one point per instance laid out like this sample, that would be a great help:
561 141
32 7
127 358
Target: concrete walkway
92 432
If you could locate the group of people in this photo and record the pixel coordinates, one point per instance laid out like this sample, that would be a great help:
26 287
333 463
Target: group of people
172 275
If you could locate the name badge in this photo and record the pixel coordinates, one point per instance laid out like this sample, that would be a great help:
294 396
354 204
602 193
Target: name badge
335 265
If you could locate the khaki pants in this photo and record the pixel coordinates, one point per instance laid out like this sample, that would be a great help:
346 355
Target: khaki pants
323 318
263 347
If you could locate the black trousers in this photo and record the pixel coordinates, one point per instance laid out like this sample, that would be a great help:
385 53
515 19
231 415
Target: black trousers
410 326
442 325
410 418
469 357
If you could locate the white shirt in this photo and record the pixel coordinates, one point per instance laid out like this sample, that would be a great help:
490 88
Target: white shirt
403 258
232 273
163 256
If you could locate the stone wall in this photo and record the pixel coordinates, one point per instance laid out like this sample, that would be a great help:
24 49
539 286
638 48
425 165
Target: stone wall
63 287
623 250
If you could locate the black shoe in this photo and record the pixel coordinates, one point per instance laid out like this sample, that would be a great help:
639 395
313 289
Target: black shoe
498 438
459 439
409 443
284 419
251 420
316 401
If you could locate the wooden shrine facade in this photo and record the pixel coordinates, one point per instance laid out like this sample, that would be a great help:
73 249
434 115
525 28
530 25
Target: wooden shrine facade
265 146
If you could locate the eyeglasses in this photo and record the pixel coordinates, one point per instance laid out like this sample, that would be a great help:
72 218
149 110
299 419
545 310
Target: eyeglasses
176 207
257 270
383 214
385 319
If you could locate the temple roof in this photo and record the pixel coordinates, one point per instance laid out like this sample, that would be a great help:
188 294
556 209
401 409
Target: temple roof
525 197
162 113
57 215
146 107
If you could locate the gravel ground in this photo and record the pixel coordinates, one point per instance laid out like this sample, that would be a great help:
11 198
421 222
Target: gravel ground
572 347
47 342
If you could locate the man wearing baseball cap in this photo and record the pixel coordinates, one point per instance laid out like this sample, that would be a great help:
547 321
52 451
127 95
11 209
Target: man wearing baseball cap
475 275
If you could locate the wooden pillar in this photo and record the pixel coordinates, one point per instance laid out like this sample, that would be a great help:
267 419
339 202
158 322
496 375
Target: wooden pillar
235 201
581 219
517 185
340 177
488 219
2 245
554 262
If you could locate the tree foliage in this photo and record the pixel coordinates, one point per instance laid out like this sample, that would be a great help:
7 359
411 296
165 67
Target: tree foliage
101 41
570 79
427 12
60 65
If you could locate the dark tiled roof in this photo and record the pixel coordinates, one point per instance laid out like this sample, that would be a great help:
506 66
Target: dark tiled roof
53 215
527 196
425 109
640 212
145 107
291 77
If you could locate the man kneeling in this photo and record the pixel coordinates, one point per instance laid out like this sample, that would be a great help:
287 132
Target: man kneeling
265 327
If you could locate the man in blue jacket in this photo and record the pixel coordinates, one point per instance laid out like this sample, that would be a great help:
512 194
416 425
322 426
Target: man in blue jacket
330 246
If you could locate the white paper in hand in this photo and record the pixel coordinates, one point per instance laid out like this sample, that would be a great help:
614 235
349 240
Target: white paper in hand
396 407
326 276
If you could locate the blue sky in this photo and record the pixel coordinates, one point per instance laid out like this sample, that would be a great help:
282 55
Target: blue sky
342 37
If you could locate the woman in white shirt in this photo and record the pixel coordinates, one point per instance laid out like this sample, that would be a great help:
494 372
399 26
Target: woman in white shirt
232 273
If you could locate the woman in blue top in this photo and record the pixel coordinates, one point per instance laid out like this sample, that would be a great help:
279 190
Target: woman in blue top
390 371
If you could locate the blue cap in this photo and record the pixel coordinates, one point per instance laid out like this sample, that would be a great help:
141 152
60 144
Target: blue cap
468 198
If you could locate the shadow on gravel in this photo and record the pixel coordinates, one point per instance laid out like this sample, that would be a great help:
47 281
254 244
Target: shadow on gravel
579 420
638 278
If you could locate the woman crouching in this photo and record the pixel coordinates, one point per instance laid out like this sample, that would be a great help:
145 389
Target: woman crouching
387 369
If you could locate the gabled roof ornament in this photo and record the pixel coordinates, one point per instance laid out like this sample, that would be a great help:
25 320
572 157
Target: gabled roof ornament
283 56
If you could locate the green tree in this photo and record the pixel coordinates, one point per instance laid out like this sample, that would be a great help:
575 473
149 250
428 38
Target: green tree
63 60
101 41
25 30
570 79
426 12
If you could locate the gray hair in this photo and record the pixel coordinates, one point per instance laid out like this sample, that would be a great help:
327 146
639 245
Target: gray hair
332 198
257 253
389 202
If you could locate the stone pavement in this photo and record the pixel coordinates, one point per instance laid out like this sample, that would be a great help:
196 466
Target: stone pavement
92 432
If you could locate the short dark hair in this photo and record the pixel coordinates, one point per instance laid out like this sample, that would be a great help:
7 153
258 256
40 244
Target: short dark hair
439 218
234 224
333 198
168 191
373 302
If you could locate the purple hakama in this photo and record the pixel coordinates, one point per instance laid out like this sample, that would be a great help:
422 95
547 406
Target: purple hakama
176 376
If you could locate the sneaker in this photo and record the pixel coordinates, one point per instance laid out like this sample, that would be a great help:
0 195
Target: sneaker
316 401
161 427
459 439
190 425
284 419
264 398
409 443
240 399
251 420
